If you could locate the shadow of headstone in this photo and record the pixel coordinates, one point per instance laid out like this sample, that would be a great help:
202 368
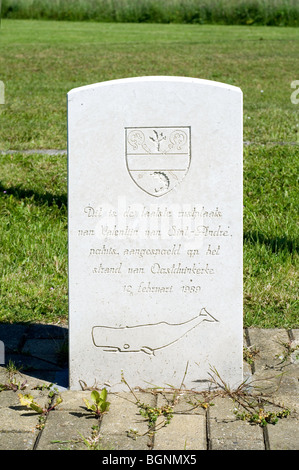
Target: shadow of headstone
36 350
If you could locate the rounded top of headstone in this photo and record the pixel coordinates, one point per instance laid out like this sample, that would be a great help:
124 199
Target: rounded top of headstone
157 78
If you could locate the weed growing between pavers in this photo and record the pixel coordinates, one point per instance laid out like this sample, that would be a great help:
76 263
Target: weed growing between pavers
12 383
249 406
54 399
99 404
150 413
249 354
92 442
290 351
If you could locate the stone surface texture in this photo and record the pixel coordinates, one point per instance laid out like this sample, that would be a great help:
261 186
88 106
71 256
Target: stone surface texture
155 232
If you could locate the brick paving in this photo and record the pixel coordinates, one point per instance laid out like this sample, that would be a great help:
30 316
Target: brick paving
199 422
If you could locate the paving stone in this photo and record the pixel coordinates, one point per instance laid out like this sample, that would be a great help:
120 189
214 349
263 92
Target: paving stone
74 400
284 435
187 428
123 422
65 430
289 401
17 440
222 409
295 333
270 346
9 398
271 372
184 432
288 382
122 442
186 402
18 419
226 432
235 436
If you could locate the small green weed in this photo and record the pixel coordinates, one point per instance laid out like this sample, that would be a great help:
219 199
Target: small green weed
152 414
12 383
291 351
133 433
261 416
99 404
249 354
204 404
43 387
94 441
53 401
12 369
253 406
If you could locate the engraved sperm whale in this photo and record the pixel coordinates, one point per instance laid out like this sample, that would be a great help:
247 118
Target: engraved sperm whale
146 338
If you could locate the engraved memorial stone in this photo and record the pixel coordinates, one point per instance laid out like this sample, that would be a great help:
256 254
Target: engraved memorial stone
167 152
155 232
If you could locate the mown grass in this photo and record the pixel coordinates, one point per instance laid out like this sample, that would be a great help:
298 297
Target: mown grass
262 12
33 238
41 61
271 236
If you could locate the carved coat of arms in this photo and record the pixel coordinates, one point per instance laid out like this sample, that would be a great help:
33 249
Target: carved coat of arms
158 158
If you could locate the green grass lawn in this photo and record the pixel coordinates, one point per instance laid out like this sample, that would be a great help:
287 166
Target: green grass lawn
40 61
33 238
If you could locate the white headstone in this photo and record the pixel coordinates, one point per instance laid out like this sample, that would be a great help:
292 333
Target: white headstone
155 233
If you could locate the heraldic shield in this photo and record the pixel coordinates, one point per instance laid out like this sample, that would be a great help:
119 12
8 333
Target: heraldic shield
158 158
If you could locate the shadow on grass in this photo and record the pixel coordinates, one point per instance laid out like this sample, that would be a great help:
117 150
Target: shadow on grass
46 198
276 244
36 350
